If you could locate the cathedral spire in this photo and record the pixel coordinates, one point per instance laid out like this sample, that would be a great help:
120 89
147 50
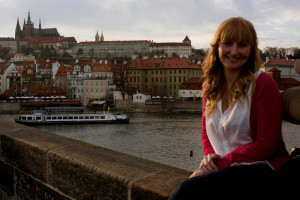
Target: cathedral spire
102 37
97 37
18 24
18 30
28 18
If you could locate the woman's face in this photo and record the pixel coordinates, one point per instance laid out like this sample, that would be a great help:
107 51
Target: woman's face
233 55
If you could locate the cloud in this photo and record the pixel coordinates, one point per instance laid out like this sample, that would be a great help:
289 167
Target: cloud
158 20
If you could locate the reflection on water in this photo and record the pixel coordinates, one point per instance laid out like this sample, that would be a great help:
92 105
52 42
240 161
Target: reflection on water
164 138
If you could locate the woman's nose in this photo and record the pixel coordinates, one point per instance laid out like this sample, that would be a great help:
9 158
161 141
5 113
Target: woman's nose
234 48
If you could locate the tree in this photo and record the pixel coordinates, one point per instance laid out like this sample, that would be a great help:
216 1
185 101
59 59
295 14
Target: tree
120 71
4 52
79 52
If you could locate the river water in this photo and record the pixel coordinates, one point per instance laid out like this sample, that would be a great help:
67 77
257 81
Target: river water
164 138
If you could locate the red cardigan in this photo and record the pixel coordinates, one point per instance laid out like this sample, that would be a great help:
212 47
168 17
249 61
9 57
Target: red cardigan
265 123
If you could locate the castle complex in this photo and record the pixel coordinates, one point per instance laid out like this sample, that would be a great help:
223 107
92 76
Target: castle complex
29 30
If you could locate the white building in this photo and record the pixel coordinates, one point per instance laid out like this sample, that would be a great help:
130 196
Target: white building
140 98
5 84
286 67
9 43
171 49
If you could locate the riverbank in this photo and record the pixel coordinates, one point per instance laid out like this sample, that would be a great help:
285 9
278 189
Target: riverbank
10 108
180 107
160 107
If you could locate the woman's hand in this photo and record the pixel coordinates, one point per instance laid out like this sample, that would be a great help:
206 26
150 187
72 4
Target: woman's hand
207 165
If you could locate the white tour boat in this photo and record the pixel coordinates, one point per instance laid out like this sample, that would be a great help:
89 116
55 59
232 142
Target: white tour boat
50 116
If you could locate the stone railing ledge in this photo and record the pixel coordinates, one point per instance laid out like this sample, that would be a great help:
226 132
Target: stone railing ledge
43 163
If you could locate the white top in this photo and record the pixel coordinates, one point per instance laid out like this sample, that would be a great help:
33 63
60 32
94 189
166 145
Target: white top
231 129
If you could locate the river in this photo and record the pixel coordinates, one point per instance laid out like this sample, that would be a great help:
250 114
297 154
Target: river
164 138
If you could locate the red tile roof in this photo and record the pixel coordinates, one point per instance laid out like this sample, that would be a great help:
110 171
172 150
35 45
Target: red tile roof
168 44
49 90
126 42
186 38
274 69
3 67
97 67
193 83
69 39
63 70
163 63
289 81
52 39
279 61
37 90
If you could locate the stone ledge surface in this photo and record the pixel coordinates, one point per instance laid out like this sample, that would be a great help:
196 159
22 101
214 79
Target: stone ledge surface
78 170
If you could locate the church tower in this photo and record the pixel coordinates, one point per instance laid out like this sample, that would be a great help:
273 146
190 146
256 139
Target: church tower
18 34
97 39
28 27
187 40
102 37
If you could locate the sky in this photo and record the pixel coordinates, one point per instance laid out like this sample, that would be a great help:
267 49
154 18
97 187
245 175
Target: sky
277 22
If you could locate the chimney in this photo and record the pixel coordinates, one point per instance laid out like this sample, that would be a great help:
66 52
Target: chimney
267 59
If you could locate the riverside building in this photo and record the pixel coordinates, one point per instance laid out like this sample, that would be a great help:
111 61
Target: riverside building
161 76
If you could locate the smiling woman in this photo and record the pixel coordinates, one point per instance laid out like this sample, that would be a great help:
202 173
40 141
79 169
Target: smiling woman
241 121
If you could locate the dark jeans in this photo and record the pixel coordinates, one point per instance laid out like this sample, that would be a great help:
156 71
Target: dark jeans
243 182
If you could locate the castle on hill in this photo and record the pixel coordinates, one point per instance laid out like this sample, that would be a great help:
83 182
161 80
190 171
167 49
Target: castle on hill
29 31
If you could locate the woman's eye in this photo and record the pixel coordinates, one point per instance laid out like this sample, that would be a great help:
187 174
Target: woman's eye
243 44
227 43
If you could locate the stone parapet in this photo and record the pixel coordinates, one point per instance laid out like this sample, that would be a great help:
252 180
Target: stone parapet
35 164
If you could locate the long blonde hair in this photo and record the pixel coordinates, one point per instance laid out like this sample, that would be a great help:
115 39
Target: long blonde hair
215 88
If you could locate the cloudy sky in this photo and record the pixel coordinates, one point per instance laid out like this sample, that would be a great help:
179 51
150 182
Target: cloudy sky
277 22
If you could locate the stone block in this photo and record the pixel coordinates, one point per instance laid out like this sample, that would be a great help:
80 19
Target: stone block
290 105
158 186
24 157
29 188
7 178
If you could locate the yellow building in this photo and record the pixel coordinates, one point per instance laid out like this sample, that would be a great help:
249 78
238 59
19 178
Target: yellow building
161 76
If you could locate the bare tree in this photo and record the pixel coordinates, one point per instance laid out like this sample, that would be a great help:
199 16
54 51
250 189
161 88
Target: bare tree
120 71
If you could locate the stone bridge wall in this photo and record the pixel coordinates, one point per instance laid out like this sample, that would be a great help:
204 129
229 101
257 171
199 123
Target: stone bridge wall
41 165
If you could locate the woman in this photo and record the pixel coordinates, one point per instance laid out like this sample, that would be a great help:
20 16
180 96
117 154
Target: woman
241 120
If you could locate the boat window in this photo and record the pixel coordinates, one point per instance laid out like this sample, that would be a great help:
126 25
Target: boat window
102 117
92 117
29 118
81 117
24 118
60 117
54 117
38 118
76 117
48 118
65 117
86 117
70 117
97 117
